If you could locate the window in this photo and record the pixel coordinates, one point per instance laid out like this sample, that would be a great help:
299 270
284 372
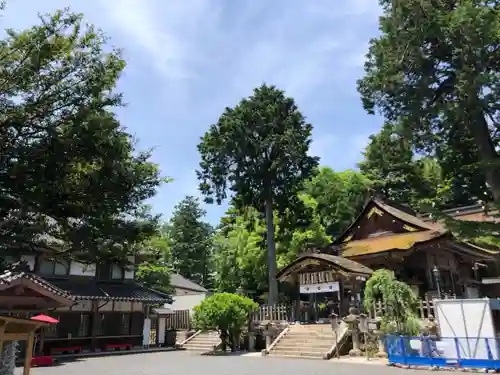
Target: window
125 324
99 324
51 330
84 329
52 267
107 271
116 272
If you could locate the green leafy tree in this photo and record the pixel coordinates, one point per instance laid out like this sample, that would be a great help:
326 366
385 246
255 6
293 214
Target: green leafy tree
259 151
155 256
70 177
155 276
445 180
388 162
302 238
339 197
434 69
240 256
227 313
190 241
398 300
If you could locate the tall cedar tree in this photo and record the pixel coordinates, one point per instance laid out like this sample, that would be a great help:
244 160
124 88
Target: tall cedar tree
435 68
190 241
70 178
388 162
449 179
259 151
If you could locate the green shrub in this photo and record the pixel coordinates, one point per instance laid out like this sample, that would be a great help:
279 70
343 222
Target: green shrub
225 312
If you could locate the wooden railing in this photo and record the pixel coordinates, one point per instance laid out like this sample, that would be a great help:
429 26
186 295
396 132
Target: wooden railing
282 312
425 307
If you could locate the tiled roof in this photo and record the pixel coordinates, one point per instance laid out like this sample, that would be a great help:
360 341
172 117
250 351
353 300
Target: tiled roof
403 241
179 281
395 212
103 291
336 262
403 216
13 274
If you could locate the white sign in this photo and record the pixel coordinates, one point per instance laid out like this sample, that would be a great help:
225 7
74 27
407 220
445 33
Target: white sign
319 288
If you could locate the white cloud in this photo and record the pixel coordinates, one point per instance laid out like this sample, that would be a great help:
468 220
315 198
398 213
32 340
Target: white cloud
294 45
164 30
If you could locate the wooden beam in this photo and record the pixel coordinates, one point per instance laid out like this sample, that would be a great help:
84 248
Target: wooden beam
15 336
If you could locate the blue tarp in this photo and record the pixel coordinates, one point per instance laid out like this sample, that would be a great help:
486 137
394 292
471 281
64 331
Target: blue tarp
465 352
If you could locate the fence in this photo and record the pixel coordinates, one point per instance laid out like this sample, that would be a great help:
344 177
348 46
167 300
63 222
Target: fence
282 312
179 320
279 312
456 352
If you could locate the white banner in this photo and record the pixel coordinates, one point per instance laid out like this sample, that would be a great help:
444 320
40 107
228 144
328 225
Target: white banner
319 288
145 332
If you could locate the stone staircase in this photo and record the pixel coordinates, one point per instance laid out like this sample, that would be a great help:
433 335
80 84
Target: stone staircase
312 341
203 342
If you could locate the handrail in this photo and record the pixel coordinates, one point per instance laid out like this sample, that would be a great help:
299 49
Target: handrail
339 336
273 344
190 337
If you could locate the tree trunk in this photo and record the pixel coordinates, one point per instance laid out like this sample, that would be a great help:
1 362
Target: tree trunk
271 254
487 154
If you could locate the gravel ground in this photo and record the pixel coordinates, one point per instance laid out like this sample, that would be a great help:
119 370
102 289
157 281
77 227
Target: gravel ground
186 363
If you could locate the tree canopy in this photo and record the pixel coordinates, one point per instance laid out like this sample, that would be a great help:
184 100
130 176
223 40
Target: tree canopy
190 241
339 197
71 178
258 150
434 69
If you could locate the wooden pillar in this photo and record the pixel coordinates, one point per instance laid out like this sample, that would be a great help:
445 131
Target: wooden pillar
2 331
296 298
95 318
29 353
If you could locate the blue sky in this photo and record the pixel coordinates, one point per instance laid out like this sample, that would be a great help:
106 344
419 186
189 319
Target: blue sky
189 59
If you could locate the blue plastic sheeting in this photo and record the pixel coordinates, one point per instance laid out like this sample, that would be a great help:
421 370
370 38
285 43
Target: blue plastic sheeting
457 352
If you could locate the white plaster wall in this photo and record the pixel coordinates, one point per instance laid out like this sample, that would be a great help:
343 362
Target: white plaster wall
30 260
187 302
130 271
80 269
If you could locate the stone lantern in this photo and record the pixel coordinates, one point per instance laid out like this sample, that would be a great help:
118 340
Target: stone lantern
352 320
375 325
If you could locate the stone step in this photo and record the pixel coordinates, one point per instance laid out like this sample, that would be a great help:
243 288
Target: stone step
292 345
202 343
208 341
298 355
310 338
307 339
198 347
300 348
316 333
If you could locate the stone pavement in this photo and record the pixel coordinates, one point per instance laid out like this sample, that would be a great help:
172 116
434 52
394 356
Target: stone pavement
186 363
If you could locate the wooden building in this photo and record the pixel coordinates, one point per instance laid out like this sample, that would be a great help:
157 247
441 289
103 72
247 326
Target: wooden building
321 278
417 249
108 311
421 252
